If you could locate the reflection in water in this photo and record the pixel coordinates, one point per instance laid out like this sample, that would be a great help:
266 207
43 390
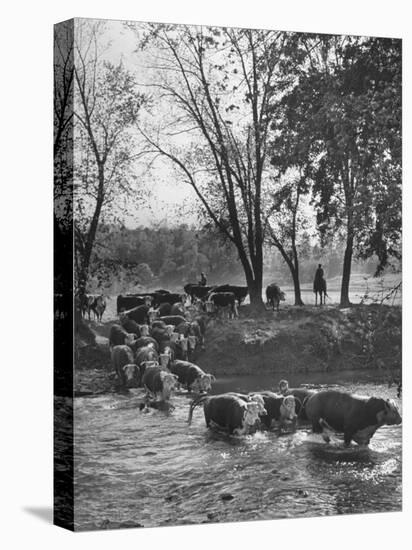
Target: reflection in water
135 469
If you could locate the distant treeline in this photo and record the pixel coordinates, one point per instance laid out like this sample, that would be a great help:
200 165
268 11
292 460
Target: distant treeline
130 259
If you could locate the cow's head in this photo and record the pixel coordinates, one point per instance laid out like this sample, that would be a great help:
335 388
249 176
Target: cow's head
153 314
169 382
203 383
258 399
283 387
130 339
148 301
170 329
144 330
192 342
287 408
148 364
165 358
183 343
131 374
282 296
251 415
389 414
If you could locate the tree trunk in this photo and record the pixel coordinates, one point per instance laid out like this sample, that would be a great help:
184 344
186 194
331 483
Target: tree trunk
296 285
347 265
255 293
294 270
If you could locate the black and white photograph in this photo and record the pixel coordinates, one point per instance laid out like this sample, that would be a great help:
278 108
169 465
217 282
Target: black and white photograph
227 274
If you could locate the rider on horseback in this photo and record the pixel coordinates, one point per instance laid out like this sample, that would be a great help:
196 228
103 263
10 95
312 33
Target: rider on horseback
319 285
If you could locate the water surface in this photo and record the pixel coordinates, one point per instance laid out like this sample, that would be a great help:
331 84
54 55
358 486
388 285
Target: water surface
135 469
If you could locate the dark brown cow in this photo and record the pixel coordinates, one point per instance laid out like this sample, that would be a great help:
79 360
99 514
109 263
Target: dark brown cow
301 396
279 408
119 336
274 296
358 417
224 300
227 412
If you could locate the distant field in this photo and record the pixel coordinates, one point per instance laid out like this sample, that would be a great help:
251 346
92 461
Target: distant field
377 288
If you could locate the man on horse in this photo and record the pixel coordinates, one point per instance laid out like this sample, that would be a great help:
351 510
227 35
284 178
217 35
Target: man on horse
319 285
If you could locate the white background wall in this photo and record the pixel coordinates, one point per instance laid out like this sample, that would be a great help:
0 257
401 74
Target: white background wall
26 270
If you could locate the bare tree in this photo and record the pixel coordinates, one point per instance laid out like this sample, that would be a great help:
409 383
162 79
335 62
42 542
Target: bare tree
218 87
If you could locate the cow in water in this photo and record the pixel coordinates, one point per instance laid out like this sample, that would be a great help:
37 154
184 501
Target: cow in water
124 366
301 396
274 296
358 417
279 408
159 382
191 376
227 412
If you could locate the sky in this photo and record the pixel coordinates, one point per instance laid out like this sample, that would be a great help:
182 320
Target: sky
170 200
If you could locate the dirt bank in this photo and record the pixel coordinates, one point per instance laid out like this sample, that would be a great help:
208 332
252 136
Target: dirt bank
297 339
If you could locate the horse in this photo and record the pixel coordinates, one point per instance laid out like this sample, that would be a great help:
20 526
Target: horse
319 287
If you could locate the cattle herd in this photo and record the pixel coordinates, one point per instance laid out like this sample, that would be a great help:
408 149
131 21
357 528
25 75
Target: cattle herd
154 343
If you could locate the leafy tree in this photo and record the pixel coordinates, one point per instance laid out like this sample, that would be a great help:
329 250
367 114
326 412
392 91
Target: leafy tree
349 94
107 107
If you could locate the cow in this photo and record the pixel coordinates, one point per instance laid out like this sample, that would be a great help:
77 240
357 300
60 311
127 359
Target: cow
170 298
240 292
164 309
227 412
123 363
159 382
358 417
144 341
130 301
278 408
119 336
192 377
224 300
167 353
274 296
129 325
177 309
252 397
161 291
197 291
139 314
173 320
201 321
301 396
146 356
98 307
160 334
158 324
95 303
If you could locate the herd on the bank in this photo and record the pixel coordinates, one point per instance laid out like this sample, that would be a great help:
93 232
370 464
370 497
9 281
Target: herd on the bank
223 300
155 341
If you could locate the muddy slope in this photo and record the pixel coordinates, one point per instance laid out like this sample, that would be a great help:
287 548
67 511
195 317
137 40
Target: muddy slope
297 339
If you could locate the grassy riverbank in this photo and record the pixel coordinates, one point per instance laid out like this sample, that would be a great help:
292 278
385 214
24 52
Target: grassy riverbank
295 340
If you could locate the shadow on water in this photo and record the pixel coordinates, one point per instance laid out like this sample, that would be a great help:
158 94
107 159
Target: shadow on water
45 513
338 454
